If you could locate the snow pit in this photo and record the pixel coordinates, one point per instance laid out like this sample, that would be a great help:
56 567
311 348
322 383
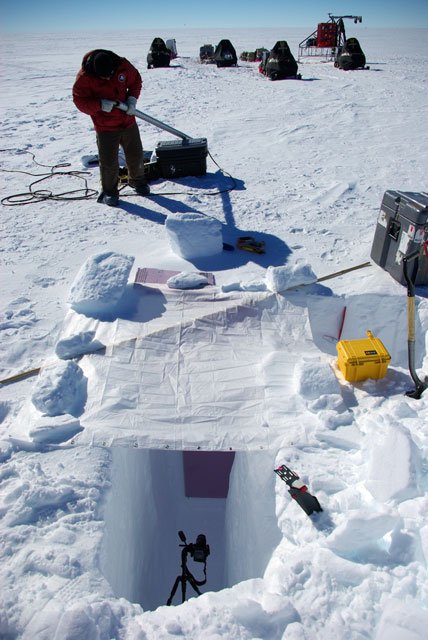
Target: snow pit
147 506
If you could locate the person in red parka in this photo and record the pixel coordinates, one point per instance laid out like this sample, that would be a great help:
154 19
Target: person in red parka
104 79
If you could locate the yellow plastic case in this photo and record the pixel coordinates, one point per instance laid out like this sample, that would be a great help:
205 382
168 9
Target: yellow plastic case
362 359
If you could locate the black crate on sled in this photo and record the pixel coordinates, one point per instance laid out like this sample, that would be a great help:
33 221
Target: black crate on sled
181 158
402 227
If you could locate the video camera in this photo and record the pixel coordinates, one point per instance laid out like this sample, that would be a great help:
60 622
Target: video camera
199 551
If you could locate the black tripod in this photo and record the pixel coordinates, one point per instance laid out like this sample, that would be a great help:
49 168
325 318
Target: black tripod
186 576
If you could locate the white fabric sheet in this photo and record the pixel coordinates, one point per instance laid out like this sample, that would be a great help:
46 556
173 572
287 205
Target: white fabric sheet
193 374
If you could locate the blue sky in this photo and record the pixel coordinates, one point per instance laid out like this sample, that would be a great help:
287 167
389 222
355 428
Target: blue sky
79 15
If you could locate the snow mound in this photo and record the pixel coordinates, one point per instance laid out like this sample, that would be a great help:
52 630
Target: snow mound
193 235
187 280
254 284
60 388
100 283
288 276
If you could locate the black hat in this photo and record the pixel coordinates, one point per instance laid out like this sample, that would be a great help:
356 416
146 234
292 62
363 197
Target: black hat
103 64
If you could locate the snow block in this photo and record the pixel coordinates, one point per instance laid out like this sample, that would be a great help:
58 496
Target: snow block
313 378
59 389
78 622
393 464
403 620
361 529
100 283
187 280
289 276
193 235
78 345
57 429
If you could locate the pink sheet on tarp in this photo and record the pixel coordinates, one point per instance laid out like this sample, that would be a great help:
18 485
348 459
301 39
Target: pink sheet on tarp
206 473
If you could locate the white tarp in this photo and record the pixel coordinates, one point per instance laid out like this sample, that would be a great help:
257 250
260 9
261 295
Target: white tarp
193 373
204 369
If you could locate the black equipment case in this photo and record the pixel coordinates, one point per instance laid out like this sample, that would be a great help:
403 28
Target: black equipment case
181 158
402 228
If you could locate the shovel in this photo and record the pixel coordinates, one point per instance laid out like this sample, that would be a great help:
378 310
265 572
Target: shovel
419 385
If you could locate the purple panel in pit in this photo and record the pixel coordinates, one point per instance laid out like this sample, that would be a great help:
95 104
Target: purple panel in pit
206 473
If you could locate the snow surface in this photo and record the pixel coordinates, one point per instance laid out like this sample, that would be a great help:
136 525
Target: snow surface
89 545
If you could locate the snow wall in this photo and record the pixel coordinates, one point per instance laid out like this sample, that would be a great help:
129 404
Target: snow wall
146 508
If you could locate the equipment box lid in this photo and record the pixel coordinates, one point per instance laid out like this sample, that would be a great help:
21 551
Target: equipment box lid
407 204
173 148
367 350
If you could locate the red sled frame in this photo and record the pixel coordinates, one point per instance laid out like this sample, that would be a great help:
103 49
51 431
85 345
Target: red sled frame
325 42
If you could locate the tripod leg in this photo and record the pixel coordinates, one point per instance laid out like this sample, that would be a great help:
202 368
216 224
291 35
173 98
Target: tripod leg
174 589
183 589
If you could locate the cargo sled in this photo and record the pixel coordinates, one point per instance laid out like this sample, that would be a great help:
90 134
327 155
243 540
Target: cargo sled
279 64
350 56
159 55
327 40
206 53
259 53
225 54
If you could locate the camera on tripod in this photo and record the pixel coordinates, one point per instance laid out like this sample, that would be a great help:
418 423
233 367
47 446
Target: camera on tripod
199 551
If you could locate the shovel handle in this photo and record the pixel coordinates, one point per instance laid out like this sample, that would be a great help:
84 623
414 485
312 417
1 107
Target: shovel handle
420 385
157 123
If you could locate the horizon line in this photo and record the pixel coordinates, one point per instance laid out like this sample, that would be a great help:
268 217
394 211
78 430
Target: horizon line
182 28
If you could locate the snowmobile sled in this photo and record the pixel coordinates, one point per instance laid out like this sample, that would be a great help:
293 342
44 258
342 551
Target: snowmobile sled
159 55
280 63
225 54
350 56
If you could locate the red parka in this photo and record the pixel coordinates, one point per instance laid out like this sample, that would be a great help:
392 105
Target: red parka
88 90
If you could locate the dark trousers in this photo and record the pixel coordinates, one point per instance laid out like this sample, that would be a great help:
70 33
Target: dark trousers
108 149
